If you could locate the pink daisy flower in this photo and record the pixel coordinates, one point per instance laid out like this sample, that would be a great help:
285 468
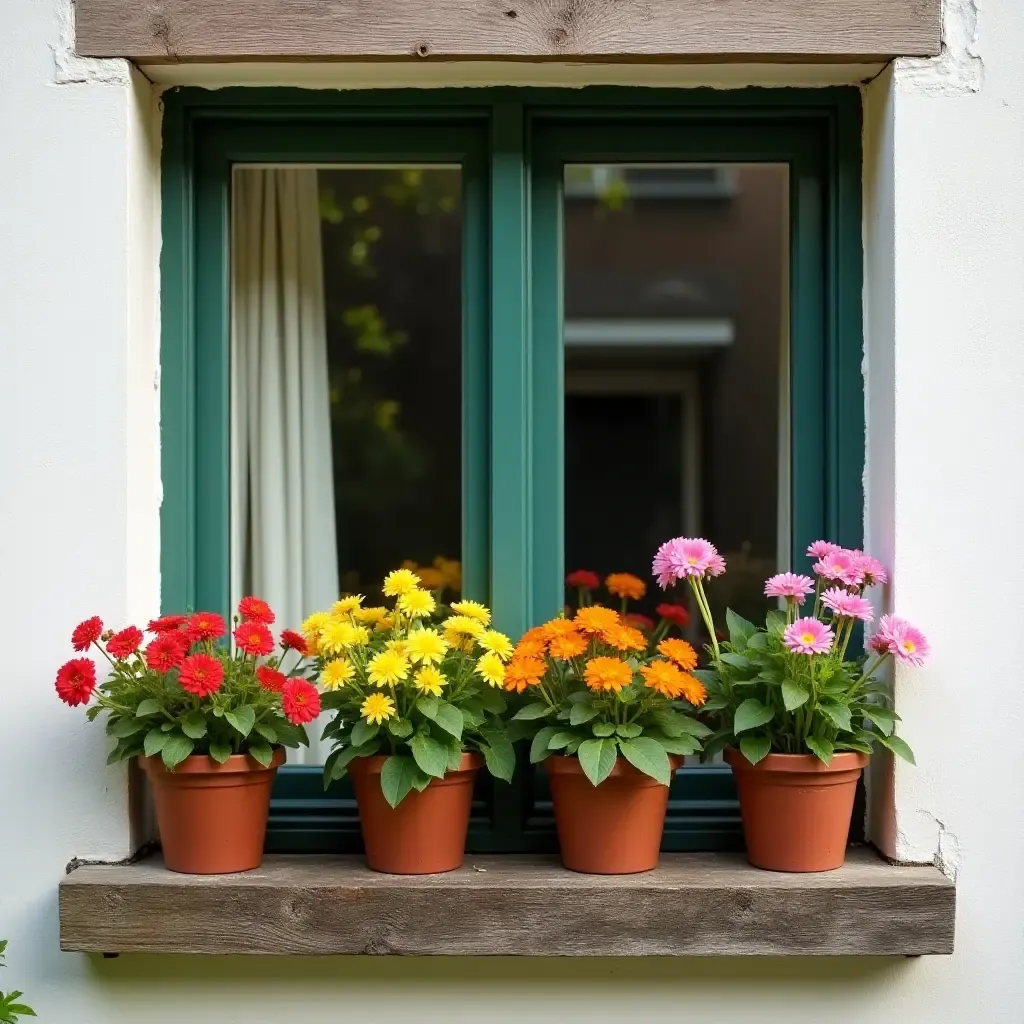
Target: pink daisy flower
872 569
686 556
821 548
717 565
789 585
808 636
906 643
846 605
840 565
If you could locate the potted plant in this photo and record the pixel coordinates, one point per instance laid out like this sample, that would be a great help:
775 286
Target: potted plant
418 712
208 725
610 718
11 1010
798 716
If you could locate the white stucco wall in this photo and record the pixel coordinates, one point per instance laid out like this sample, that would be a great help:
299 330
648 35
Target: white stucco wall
944 237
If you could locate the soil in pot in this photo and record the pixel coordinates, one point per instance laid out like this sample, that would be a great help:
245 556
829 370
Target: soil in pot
212 817
611 829
426 833
796 810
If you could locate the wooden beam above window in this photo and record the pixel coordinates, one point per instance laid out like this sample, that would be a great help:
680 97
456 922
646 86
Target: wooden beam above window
151 31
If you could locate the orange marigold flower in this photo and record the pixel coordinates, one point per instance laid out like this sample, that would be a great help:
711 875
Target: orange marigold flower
693 690
664 677
624 638
530 648
607 674
567 645
595 619
522 672
625 584
557 627
680 652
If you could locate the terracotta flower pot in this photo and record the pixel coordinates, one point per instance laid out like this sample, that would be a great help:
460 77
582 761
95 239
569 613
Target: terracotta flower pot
796 810
426 833
212 817
611 829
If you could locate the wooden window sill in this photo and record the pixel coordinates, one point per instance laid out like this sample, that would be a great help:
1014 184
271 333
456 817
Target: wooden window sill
693 904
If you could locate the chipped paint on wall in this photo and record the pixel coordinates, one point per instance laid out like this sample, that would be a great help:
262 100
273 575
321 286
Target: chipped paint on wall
960 68
69 68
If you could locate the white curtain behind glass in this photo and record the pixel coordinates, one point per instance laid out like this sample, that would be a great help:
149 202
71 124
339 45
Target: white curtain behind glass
283 546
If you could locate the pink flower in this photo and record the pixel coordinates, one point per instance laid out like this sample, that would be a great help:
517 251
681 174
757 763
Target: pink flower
808 636
789 585
821 548
906 643
872 569
847 605
840 565
686 556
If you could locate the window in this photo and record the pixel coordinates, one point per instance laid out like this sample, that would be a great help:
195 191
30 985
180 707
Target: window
570 272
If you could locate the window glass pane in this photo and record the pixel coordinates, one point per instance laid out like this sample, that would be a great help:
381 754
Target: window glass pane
675 370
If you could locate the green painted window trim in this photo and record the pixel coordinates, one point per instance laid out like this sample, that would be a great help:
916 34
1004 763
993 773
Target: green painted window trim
512 144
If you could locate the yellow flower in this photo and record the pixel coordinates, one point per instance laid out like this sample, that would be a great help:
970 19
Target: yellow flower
388 668
339 634
347 605
377 708
430 579
490 669
383 625
492 640
465 625
459 641
399 647
337 673
429 680
311 630
371 615
474 610
417 603
426 646
400 582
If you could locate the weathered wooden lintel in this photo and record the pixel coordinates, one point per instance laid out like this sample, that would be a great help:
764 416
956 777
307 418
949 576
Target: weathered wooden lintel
692 904
154 31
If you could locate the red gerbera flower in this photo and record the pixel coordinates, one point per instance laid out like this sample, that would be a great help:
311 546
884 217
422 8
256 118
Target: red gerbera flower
167 624
124 644
255 609
290 640
201 674
300 701
205 626
76 680
638 621
86 633
270 678
674 613
167 651
254 638
583 578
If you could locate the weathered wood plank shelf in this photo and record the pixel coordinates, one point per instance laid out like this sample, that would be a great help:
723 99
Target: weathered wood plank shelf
693 904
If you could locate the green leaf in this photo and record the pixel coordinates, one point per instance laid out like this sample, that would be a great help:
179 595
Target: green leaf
676 744
400 727
738 661
362 732
898 746
241 719
262 752
493 700
739 629
860 748
125 727
750 714
649 757
420 779
672 723
794 695
149 706
396 778
580 713
220 752
539 747
597 759
449 718
500 756
628 730
154 742
454 756
882 718
193 725
428 706
775 621
430 755
838 714
561 739
754 748
336 766
176 748
267 731
603 729
532 711
822 749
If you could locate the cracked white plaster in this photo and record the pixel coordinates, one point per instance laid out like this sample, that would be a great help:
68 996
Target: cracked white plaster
931 842
959 69
69 68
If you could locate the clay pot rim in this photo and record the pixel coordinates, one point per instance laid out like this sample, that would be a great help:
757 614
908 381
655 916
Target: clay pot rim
570 765
372 764
802 764
203 764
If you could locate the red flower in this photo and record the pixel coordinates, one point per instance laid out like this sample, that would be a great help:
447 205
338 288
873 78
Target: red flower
201 674
76 680
205 626
86 633
255 609
124 644
271 679
639 621
674 613
300 701
167 624
254 638
167 651
290 640
583 578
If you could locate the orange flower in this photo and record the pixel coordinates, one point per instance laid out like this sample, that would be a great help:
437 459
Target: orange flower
522 672
567 645
624 638
625 584
693 690
680 652
595 619
663 677
557 627
530 648
607 674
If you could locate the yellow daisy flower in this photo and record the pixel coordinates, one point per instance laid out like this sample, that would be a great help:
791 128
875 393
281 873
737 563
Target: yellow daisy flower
492 640
371 615
459 641
465 625
387 668
347 605
399 582
337 673
339 634
417 603
474 610
426 646
429 680
383 625
490 669
311 630
378 708
399 647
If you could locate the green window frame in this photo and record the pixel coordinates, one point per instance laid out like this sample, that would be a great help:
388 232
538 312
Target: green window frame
512 144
